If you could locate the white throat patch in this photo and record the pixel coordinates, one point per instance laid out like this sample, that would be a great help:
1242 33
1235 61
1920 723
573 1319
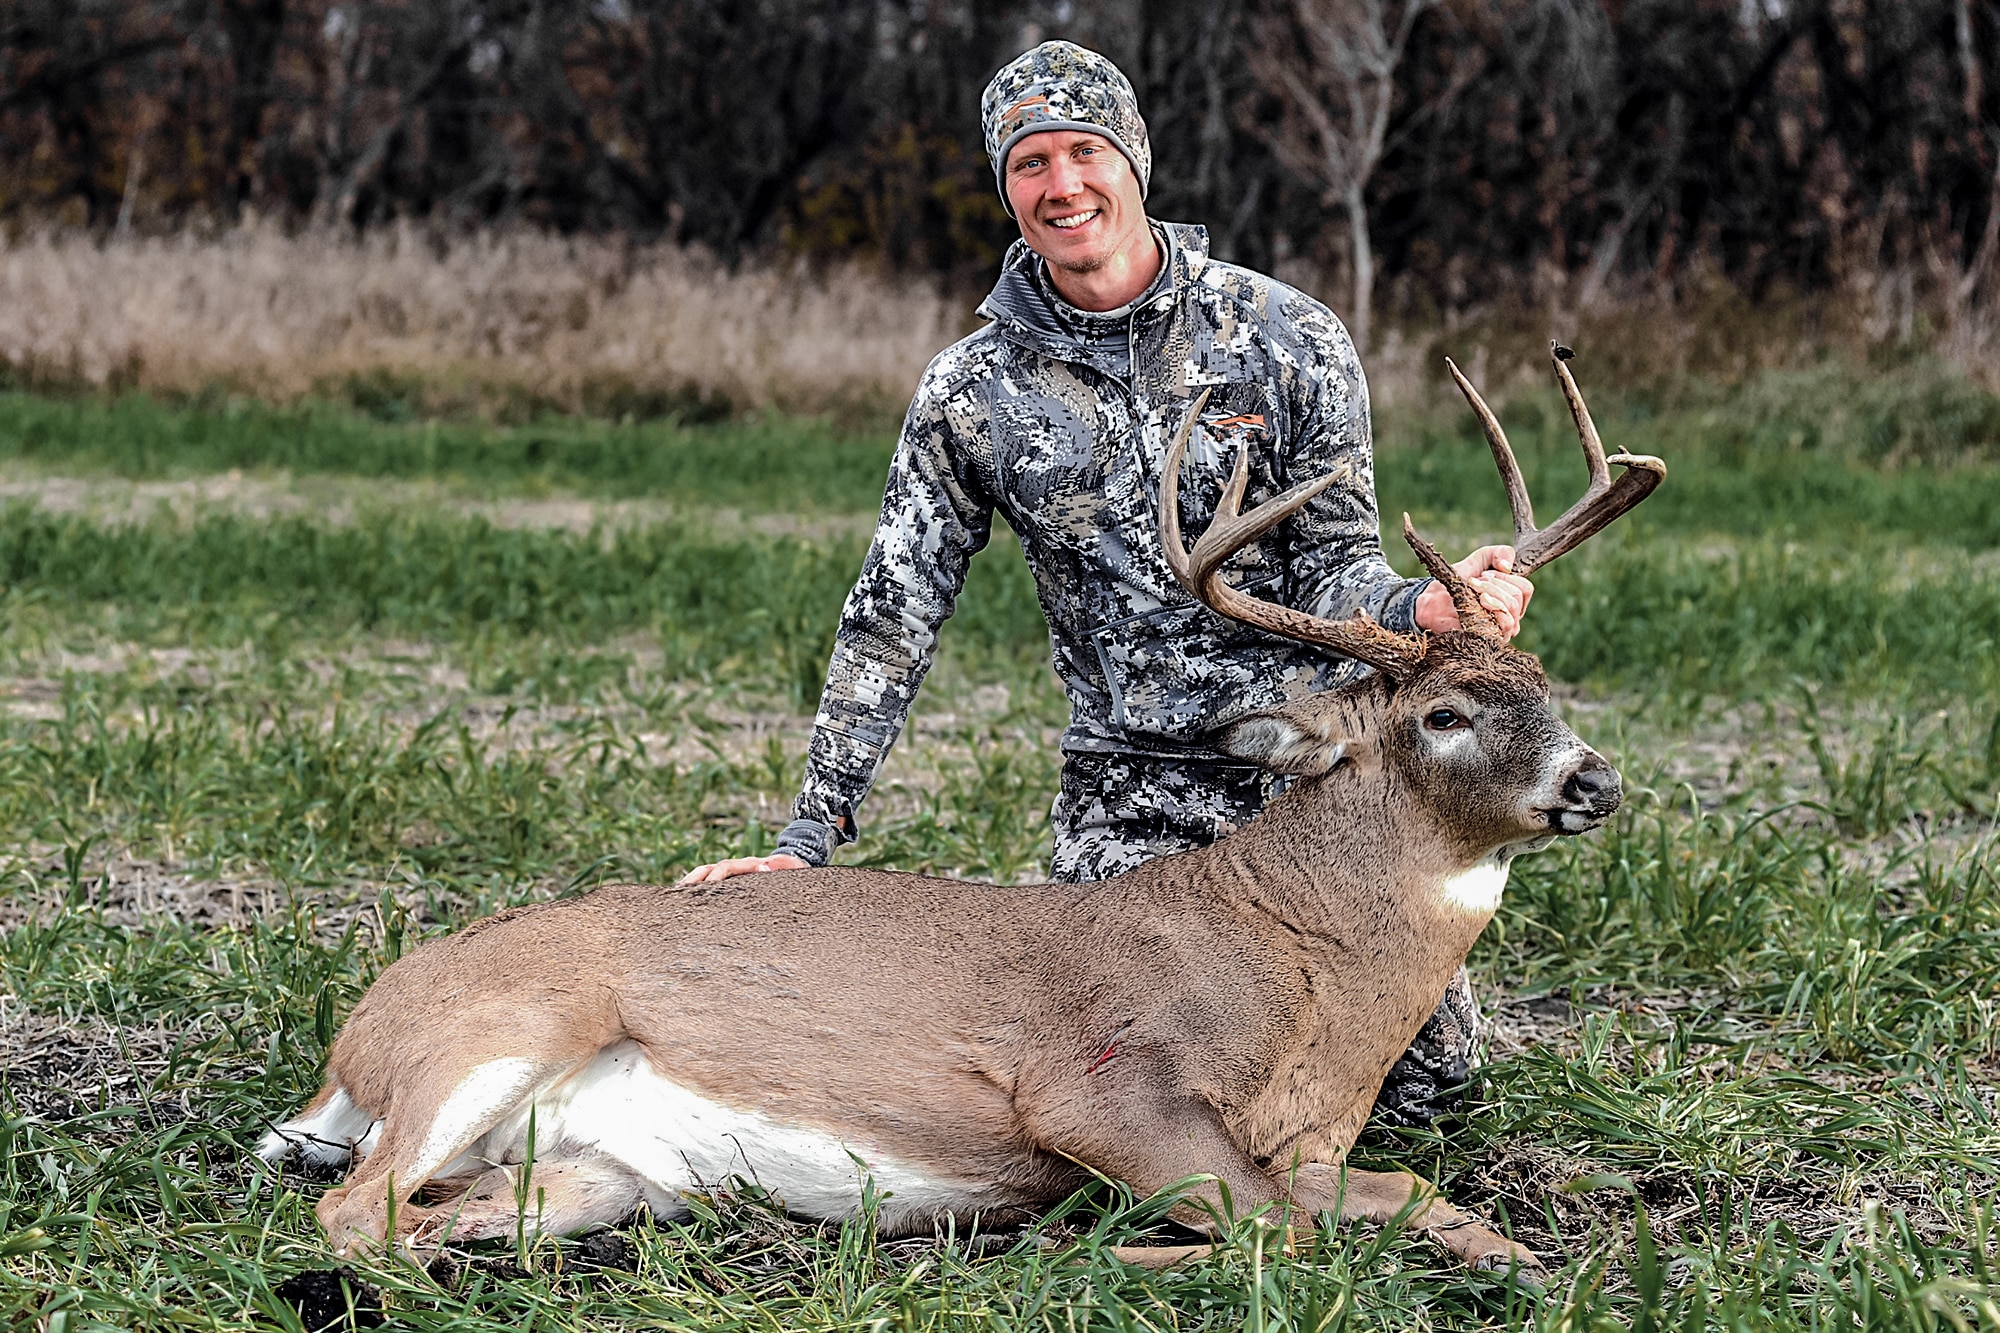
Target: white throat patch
1477 889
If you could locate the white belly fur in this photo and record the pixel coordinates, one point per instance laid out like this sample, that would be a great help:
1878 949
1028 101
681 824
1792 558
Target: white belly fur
678 1141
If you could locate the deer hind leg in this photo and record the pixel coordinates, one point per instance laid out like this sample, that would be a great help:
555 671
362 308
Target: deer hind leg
427 1128
1384 1197
557 1198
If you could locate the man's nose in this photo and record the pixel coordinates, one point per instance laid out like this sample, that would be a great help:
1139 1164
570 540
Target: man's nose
1065 179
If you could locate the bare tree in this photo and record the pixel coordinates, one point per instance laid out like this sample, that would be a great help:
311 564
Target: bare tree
1987 138
1968 57
1472 149
1332 64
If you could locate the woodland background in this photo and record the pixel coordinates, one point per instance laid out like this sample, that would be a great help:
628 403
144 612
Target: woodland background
1555 148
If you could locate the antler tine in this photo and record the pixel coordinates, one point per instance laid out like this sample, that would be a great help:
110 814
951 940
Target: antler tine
1170 501
1603 500
1503 457
1231 529
1395 655
1586 429
1471 612
1216 544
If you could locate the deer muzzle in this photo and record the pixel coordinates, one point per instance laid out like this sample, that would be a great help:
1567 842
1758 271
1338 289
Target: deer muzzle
1590 794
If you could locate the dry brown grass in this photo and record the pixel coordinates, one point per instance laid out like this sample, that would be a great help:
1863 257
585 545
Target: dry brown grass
1704 330
519 321
570 323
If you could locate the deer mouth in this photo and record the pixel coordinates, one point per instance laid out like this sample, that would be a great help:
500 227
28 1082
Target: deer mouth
1568 821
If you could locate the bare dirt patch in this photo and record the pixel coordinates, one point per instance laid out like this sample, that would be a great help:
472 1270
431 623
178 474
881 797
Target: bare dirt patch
59 1068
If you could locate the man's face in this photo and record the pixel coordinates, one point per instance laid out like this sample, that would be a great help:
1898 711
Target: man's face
1076 198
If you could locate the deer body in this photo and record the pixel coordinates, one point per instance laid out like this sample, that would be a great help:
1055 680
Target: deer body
675 1038
982 1050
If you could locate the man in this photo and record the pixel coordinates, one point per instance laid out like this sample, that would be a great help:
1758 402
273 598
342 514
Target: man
1105 327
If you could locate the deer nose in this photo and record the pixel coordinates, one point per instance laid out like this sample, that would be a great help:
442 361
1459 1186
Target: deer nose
1593 785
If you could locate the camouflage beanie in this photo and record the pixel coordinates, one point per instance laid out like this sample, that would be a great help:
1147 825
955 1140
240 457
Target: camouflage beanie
1061 86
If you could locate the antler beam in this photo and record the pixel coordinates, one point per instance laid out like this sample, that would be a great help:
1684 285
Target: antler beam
1395 655
1604 499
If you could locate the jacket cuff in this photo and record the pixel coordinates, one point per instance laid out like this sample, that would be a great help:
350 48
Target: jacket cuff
809 840
1399 613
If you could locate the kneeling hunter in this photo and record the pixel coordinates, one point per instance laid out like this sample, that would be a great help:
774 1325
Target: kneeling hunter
1106 328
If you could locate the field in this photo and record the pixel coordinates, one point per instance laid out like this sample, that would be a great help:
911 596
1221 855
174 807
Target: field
284 690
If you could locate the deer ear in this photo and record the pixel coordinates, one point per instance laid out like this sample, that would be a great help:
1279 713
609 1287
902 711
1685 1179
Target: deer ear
1283 742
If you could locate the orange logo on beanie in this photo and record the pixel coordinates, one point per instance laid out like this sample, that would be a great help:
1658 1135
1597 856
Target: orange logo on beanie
1016 115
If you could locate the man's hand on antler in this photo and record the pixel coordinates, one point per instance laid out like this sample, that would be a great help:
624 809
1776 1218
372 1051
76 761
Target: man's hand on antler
1502 592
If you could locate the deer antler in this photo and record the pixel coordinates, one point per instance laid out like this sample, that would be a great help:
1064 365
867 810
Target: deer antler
1603 500
1471 613
1395 655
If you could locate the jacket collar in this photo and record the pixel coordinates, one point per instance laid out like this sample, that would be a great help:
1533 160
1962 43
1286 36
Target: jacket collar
1024 306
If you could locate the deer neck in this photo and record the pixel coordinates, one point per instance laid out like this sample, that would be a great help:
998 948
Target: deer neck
1345 862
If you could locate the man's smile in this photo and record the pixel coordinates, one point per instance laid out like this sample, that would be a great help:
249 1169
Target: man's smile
1074 220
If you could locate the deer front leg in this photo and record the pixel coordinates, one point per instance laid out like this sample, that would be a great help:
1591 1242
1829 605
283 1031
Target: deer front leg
1152 1136
1384 1197
1189 1139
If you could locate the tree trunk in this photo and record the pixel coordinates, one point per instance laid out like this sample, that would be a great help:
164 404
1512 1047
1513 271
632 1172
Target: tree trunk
1968 59
1358 319
254 29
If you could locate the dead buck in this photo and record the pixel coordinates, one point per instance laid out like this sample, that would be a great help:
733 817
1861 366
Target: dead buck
1229 1012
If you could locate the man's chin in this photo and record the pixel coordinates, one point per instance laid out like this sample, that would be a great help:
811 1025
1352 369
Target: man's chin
1083 263
1078 255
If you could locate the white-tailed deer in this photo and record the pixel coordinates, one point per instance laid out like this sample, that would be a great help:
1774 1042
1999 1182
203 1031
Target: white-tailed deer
982 1050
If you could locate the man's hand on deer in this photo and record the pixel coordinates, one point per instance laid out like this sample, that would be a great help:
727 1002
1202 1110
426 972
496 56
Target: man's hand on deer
717 871
1503 593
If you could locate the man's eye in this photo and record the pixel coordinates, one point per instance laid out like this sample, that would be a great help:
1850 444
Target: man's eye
1443 719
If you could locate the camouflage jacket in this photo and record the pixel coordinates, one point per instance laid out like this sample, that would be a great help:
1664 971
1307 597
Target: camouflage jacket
1060 420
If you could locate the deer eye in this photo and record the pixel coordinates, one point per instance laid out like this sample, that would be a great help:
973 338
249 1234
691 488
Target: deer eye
1443 719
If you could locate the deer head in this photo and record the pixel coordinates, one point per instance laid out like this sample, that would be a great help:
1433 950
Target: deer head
1460 719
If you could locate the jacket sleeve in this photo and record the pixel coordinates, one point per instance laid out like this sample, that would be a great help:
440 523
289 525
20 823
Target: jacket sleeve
1336 557
935 518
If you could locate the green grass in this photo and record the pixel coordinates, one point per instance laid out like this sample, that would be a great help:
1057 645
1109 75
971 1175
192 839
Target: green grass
1914 453
769 463
1746 1052
1644 612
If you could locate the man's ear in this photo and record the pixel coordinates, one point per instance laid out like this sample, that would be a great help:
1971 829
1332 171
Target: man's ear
1284 742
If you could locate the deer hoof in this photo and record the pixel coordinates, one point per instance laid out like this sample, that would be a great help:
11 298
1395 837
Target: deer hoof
1156 1257
1517 1261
